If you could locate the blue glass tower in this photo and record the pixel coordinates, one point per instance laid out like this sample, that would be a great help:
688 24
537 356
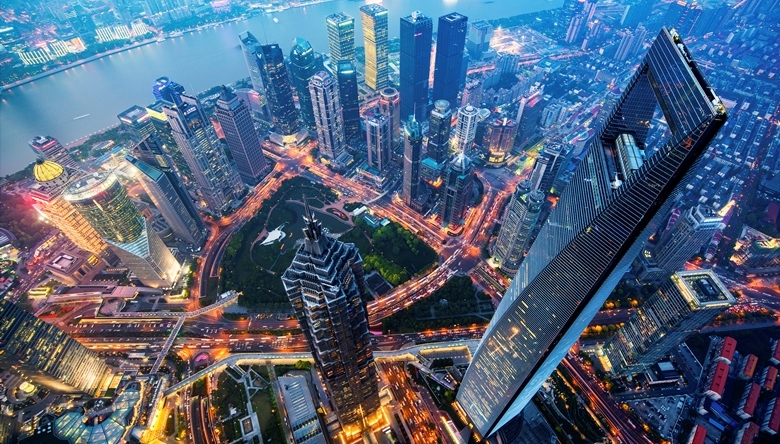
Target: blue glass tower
450 43
416 43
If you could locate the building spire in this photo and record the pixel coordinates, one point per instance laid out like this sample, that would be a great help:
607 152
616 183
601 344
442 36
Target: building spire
313 228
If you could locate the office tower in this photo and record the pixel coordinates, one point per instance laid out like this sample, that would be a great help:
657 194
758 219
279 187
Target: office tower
168 90
341 38
49 148
324 92
374 19
236 121
499 139
686 302
250 47
412 157
219 184
528 116
516 226
439 128
450 43
637 13
593 234
466 129
416 44
348 93
137 121
546 167
390 106
104 203
47 356
378 140
478 42
325 283
458 191
303 66
278 91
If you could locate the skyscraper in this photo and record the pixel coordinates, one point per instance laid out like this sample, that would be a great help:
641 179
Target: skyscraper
168 90
390 106
546 167
49 148
479 36
325 283
278 91
412 157
378 141
592 235
137 122
104 203
304 63
374 19
521 216
686 301
324 92
250 46
416 44
457 192
46 355
499 139
348 93
341 38
450 43
236 121
218 182
466 129
439 128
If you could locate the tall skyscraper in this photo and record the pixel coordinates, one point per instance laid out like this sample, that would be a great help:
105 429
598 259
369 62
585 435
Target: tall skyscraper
341 38
250 46
592 235
235 118
104 203
304 63
217 181
439 128
412 158
278 91
46 355
457 192
324 92
499 139
374 19
348 93
325 283
416 44
546 167
137 122
378 140
390 106
167 90
479 36
516 226
466 129
686 302
450 43
49 148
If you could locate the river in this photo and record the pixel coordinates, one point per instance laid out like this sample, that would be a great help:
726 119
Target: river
55 105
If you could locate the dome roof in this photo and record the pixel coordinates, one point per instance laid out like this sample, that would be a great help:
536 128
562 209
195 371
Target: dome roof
46 170
461 162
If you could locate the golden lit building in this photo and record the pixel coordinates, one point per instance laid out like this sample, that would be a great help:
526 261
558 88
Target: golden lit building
374 19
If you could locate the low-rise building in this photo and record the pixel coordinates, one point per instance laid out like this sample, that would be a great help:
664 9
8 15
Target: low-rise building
748 367
698 435
304 423
70 267
726 350
771 422
775 359
747 405
747 433
717 381
768 378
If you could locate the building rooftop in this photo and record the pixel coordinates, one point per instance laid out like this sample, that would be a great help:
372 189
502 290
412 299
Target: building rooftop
698 436
749 433
774 417
750 365
776 351
728 349
752 399
46 170
719 378
704 287
771 376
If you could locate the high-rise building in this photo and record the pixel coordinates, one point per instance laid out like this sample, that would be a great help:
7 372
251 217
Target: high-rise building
304 63
104 203
546 167
625 45
235 118
593 234
45 355
167 90
450 44
686 301
637 13
439 128
378 140
390 106
341 38
478 42
520 218
137 121
348 93
374 19
499 139
412 158
325 283
416 44
466 129
49 148
324 92
457 192
219 184
278 91
250 46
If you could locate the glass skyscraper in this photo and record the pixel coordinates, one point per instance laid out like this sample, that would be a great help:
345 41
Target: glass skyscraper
439 128
516 226
279 93
304 63
390 106
597 228
237 124
324 92
348 93
378 140
412 158
341 38
457 192
49 148
499 139
250 46
416 44
374 19
450 44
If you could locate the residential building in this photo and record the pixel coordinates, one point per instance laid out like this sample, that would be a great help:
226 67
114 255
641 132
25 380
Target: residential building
466 130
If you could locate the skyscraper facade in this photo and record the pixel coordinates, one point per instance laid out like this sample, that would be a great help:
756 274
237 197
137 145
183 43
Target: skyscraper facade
104 203
390 106
218 183
412 158
466 129
450 44
324 93
325 283
278 91
378 139
592 235
167 90
439 128
348 93
546 167
341 38
250 46
686 301
49 148
520 218
478 41
46 355
235 118
416 44
457 192
137 122
499 139
374 19
304 63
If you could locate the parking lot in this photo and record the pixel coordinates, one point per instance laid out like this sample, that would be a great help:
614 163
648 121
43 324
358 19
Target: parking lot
660 413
